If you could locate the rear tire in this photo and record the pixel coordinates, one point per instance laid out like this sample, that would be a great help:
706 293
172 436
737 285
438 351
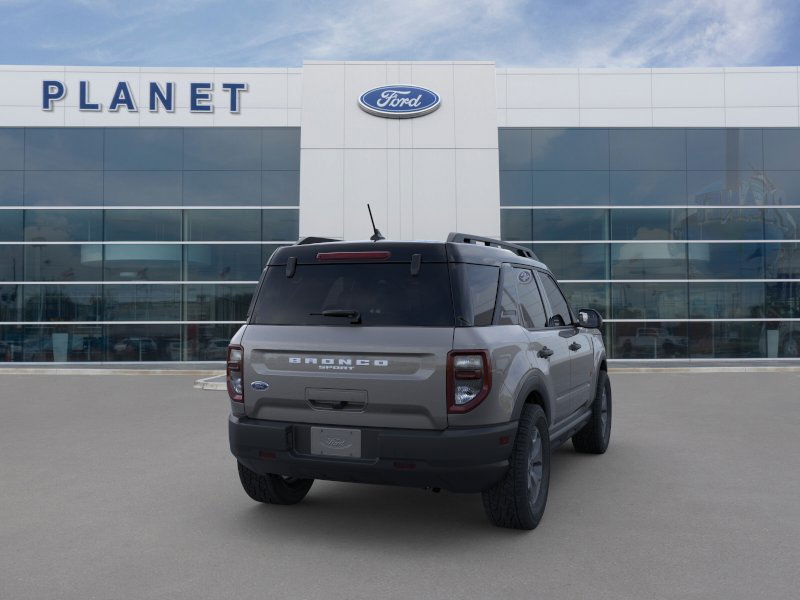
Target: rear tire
518 500
273 489
595 435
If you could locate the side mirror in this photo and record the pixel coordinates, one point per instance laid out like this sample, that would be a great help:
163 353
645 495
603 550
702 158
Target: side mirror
589 318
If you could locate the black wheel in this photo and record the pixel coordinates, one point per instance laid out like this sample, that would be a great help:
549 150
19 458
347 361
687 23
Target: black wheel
594 437
518 500
273 489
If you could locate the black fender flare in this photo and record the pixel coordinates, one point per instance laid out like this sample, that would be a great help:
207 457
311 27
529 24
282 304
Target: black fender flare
534 381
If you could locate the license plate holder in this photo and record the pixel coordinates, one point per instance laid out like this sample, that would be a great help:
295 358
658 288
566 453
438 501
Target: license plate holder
335 441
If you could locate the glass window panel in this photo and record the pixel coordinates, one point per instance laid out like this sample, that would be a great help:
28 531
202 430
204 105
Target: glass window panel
514 149
636 300
783 187
727 340
783 341
63 148
649 224
63 188
142 302
648 261
280 188
726 300
63 225
10 308
11 339
476 295
280 147
62 303
782 261
581 224
11 263
724 149
11 225
218 302
570 187
208 342
235 262
142 188
11 190
781 223
650 339
142 225
648 187
509 310
222 225
221 148
280 224
12 148
67 262
729 188
783 299
559 309
516 224
588 295
63 343
726 224
153 262
221 188
134 343
782 148
516 188
570 149
143 148
648 149
575 261
530 300
726 261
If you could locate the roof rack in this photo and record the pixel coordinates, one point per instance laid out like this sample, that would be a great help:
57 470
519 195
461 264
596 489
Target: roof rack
466 238
315 240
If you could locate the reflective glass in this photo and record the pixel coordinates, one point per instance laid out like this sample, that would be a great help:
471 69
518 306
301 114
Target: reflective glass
67 262
730 188
280 224
280 188
724 149
208 342
12 148
62 343
476 293
280 147
575 261
727 340
530 300
648 187
235 262
783 340
63 148
783 299
648 149
649 339
142 225
781 223
726 300
221 148
147 262
63 225
782 148
222 225
580 225
588 295
11 339
648 261
570 149
11 263
10 306
514 149
267 250
209 302
726 261
516 188
63 188
143 148
783 187
142 188
221 188
62 303
637 300
648 224
782 261
556 188
11 225
559 312
726 224
516 224
143 342
142 302
509 309
11 189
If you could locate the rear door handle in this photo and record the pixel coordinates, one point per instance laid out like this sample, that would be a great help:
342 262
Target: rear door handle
574 346
545 352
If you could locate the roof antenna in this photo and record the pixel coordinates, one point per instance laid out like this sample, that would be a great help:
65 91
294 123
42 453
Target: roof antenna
377 235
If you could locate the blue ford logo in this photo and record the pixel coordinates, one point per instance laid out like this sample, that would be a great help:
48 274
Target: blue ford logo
399 101
259 385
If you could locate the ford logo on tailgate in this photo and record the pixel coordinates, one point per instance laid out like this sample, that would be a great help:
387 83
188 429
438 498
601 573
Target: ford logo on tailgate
399 101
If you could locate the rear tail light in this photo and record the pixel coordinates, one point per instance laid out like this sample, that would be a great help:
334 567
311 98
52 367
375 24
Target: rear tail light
234 373
469 379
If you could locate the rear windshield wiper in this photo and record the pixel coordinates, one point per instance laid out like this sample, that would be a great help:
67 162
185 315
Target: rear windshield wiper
353 315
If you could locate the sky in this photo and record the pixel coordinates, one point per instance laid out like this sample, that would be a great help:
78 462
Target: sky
566 33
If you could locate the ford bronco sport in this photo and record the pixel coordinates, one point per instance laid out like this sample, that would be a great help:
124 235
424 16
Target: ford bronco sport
456 365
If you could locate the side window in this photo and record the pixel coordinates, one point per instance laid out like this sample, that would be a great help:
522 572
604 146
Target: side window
530 301
558 303
508 299
478 293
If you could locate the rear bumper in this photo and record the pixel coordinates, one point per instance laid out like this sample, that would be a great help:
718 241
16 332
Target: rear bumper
460 460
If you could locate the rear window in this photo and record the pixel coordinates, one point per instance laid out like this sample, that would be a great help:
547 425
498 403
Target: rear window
384 294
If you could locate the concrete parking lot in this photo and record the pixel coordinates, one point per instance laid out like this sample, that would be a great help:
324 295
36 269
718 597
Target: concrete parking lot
123 487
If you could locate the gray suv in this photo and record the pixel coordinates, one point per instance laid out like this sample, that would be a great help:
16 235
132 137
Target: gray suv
456 365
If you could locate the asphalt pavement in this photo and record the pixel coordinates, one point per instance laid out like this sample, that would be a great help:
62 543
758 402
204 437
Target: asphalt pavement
122 486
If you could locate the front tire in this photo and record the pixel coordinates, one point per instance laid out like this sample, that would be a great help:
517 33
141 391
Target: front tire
518 500
595 435
273 489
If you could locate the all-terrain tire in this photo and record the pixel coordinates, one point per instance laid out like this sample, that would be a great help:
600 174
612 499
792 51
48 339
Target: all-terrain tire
517 501
273 489
595 435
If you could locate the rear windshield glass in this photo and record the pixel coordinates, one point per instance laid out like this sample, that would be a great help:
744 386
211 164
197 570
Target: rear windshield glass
383 294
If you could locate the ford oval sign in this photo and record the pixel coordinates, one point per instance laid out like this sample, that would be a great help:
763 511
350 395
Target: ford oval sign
399 101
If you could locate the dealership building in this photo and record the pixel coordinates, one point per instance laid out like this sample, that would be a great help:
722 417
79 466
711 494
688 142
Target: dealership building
138 206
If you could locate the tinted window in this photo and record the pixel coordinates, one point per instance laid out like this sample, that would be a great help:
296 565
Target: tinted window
575 261
67 262
730 187
280 148
516 188
280 188
648 149
68 148
10 304
143 342
515 149
726 261
648 187
10 226
726 300
208 342
12 144
648 224
727 340
222 225
62 302
726 223
580 225
142 302
64 188
723 149
231 262
145 262
516 224
530 301
588 295
383 294
509 314
63 225
142 188
64 343
143 148
649 339
222 148
570 149
280 224
558 304
782 148
143 225
218 302
11 188
648 261
644 300
221 188
556 188
477 286
10 263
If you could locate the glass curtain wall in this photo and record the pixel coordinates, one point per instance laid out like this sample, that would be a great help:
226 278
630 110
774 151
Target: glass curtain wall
137 244
685 240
